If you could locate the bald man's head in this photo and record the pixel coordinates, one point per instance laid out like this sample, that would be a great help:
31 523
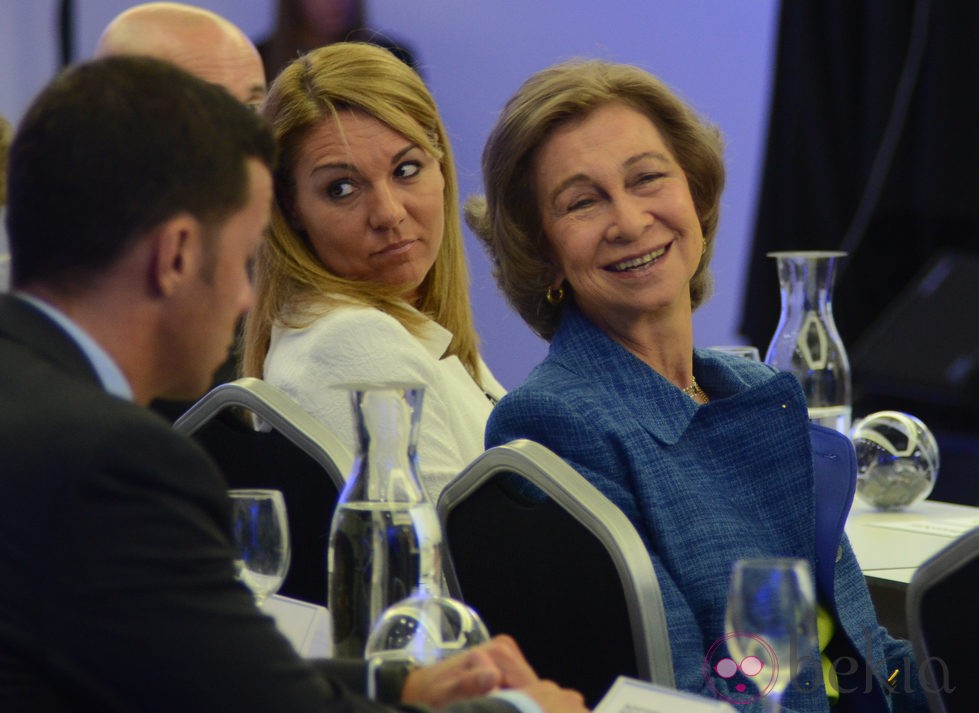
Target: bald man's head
197 40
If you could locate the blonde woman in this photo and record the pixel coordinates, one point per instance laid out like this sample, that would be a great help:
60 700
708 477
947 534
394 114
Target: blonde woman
364 277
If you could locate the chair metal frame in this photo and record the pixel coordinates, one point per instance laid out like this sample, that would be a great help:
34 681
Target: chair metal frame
600 517
278 445
279 411
946 564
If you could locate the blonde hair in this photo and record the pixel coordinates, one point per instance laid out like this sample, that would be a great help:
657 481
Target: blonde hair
293 286
507 219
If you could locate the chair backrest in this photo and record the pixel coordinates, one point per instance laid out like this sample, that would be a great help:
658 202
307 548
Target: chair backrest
944 624
298 455
567 576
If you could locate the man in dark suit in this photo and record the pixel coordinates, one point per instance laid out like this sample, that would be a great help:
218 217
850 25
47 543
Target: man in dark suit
137 196
208 46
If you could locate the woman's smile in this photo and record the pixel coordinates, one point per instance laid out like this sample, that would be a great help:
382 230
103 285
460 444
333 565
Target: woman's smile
637 263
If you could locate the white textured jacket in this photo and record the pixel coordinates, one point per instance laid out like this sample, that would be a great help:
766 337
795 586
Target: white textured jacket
353 344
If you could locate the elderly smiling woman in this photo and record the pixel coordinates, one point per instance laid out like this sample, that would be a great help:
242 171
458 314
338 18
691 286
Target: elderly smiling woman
601 211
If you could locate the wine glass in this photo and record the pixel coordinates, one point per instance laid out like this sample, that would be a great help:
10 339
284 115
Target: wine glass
261 540
771 622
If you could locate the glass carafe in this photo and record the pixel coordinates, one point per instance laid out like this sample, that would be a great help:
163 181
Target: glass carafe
385 539
806 342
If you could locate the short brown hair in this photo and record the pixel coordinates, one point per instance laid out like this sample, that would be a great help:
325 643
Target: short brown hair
157 142
507 219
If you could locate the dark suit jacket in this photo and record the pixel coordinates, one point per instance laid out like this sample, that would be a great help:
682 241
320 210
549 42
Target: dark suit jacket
117 591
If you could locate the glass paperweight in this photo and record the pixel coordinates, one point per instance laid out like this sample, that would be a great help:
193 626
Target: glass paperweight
423 629
897 460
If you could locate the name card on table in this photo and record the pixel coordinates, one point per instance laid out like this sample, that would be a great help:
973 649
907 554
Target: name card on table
630 695
308 627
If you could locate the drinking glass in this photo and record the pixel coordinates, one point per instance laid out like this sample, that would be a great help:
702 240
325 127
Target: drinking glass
261 540
771 622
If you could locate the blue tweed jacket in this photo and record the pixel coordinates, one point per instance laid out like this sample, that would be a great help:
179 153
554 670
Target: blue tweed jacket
707 485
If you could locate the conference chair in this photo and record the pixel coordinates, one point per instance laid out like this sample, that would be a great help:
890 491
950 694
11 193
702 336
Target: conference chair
944 624
293 453
567 576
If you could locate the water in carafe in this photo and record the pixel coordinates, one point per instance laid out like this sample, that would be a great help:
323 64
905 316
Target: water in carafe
385 538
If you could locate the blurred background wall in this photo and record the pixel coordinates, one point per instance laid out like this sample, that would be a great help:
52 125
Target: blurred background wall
474 54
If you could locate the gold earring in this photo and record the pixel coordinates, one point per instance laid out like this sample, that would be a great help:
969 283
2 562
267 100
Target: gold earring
554 296
704 251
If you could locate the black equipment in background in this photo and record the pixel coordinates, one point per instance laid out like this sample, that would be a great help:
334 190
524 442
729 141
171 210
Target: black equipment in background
925 345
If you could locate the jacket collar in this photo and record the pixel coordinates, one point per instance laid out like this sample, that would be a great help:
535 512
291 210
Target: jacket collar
435 338
585 350
23 323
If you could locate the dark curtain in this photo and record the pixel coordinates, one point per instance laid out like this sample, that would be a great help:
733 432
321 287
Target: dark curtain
873 147
873 144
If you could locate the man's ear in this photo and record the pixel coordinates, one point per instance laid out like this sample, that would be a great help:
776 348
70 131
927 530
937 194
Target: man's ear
177 252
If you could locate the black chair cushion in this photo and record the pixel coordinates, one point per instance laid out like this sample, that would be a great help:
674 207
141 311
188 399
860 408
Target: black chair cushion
520 565
951 629
256 459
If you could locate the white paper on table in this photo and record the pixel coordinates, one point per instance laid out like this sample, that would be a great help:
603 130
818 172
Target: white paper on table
308 627
951 528
630 695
